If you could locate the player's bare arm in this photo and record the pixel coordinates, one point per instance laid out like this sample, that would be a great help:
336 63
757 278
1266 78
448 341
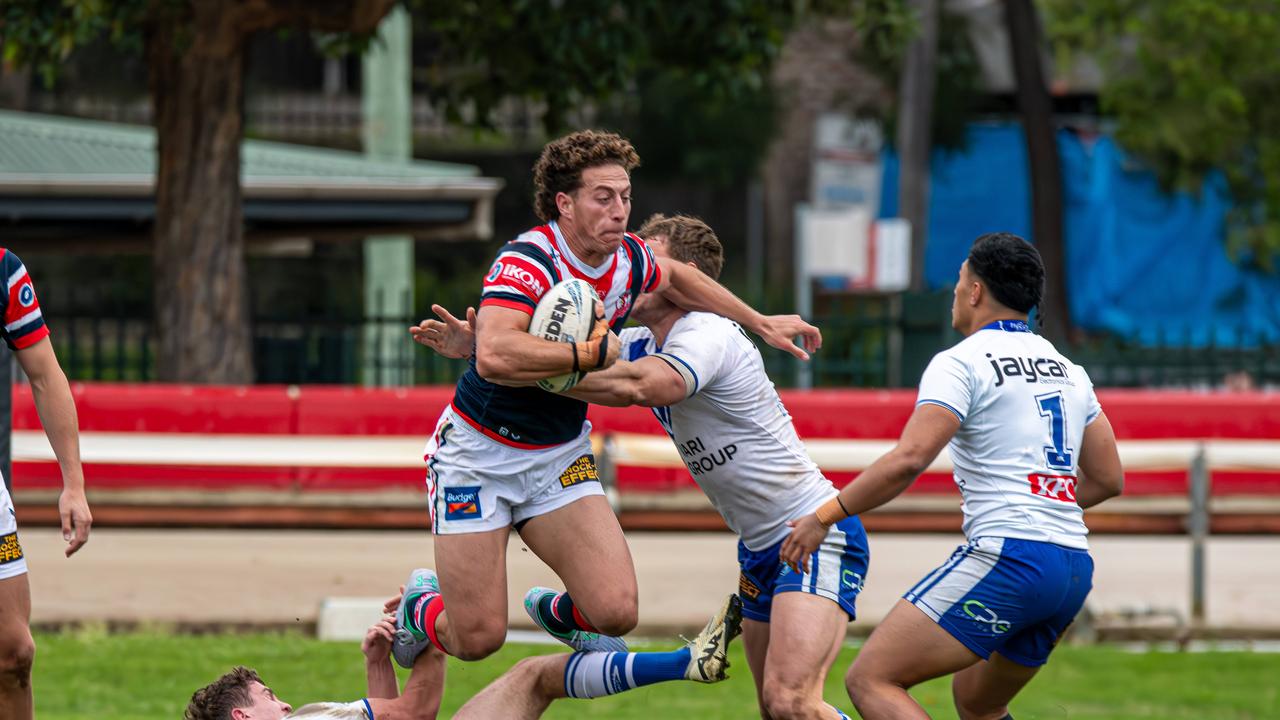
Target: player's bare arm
649 381
928 430
449 336
1101 476
376 647
57 410
506 353
693 290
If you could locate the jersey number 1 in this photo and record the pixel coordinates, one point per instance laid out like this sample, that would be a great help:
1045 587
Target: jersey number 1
1057 457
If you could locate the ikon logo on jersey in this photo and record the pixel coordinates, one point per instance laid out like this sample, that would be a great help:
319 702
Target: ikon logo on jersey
1055 487
462 503
511 272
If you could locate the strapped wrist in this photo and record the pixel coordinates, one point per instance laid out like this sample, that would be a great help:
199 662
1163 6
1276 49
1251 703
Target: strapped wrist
831 512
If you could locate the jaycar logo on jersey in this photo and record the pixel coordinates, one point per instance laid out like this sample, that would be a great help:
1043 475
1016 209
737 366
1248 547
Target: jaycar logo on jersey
462 503
1054 487
1045 370
27 295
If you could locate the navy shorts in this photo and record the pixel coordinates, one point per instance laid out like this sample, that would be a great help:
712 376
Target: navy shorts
1015 597
837 570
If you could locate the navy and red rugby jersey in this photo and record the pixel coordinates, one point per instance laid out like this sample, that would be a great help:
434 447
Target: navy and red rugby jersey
23 322
525 269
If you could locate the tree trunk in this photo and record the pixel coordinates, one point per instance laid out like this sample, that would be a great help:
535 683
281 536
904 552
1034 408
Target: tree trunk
915 121
197 67
1036 108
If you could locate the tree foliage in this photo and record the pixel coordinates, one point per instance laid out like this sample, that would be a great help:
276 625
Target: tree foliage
1192 85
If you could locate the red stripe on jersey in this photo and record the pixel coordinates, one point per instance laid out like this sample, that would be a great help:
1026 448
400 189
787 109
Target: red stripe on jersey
512 304
493 435
22 298
30 338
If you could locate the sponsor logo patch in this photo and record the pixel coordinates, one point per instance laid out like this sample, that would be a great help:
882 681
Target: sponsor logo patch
1054 487
462 503
582 470
494 272
10 548
27 295
746 588
984 615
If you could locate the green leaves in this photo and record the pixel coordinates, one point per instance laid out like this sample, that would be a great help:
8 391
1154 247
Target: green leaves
41 34
1192 85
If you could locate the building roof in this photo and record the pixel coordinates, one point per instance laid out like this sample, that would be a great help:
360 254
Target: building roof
57 168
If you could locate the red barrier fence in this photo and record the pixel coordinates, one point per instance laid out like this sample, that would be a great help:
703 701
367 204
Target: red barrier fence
341 438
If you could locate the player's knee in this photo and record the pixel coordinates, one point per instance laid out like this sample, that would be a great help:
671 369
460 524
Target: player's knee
860 683
618 619
17 654
477 642
783 701
970 708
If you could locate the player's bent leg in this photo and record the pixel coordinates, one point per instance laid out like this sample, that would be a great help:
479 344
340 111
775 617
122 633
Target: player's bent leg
983 691
804 640
521 693
583 543
17 648
472 568
906 648
755 643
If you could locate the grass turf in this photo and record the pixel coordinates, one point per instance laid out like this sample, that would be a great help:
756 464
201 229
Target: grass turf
145 675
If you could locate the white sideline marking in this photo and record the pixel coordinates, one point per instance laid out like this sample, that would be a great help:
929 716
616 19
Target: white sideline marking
629 449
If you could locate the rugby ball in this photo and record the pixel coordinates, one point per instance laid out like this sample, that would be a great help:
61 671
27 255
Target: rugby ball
565 314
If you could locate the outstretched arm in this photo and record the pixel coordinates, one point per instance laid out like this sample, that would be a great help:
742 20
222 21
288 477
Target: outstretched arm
649 381
376 647
928 431
692 289
57 410
506 353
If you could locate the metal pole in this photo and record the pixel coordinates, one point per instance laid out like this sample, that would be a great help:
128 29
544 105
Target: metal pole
804 290
1198 527
388 136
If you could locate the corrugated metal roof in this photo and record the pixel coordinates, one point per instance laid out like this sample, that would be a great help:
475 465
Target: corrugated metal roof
48 146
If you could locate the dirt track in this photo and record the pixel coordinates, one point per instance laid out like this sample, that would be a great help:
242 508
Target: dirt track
280 577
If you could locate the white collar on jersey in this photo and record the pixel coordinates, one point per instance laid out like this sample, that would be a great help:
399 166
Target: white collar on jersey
562 247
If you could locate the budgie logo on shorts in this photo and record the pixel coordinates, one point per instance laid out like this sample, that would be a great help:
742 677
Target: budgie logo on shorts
462 503
10 548
986 616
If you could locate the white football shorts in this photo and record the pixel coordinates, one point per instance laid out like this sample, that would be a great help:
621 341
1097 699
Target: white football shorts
476 483
12 561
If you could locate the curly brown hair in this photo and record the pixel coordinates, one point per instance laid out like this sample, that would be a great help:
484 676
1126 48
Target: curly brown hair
688 240
559 167
216 700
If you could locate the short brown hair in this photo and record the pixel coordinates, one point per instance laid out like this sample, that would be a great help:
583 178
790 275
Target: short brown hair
688 240
559 167
216 700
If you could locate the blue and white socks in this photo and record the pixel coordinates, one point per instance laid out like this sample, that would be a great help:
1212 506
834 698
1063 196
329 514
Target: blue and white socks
592 675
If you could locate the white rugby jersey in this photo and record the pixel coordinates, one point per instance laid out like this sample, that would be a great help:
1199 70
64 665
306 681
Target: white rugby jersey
1023 408
733 432
358 710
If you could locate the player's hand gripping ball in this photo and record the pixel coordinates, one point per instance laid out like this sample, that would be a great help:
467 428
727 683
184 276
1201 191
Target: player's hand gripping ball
571 312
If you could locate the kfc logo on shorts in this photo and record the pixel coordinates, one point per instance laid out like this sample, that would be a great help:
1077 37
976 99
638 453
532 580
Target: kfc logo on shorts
462 503
27 295
1054 487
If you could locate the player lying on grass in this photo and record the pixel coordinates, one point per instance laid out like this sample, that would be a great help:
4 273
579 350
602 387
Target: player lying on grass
1032 448
522 693
707 386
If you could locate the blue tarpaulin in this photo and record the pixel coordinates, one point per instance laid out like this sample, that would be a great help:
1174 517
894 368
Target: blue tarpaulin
1141 263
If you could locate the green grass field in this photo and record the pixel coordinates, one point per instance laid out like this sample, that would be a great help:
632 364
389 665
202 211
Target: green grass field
140 676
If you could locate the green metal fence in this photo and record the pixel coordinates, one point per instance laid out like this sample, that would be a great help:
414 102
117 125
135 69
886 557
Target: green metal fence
869 342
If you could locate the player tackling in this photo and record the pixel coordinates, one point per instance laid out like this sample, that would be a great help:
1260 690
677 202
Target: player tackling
508 455
1031 449
706 384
